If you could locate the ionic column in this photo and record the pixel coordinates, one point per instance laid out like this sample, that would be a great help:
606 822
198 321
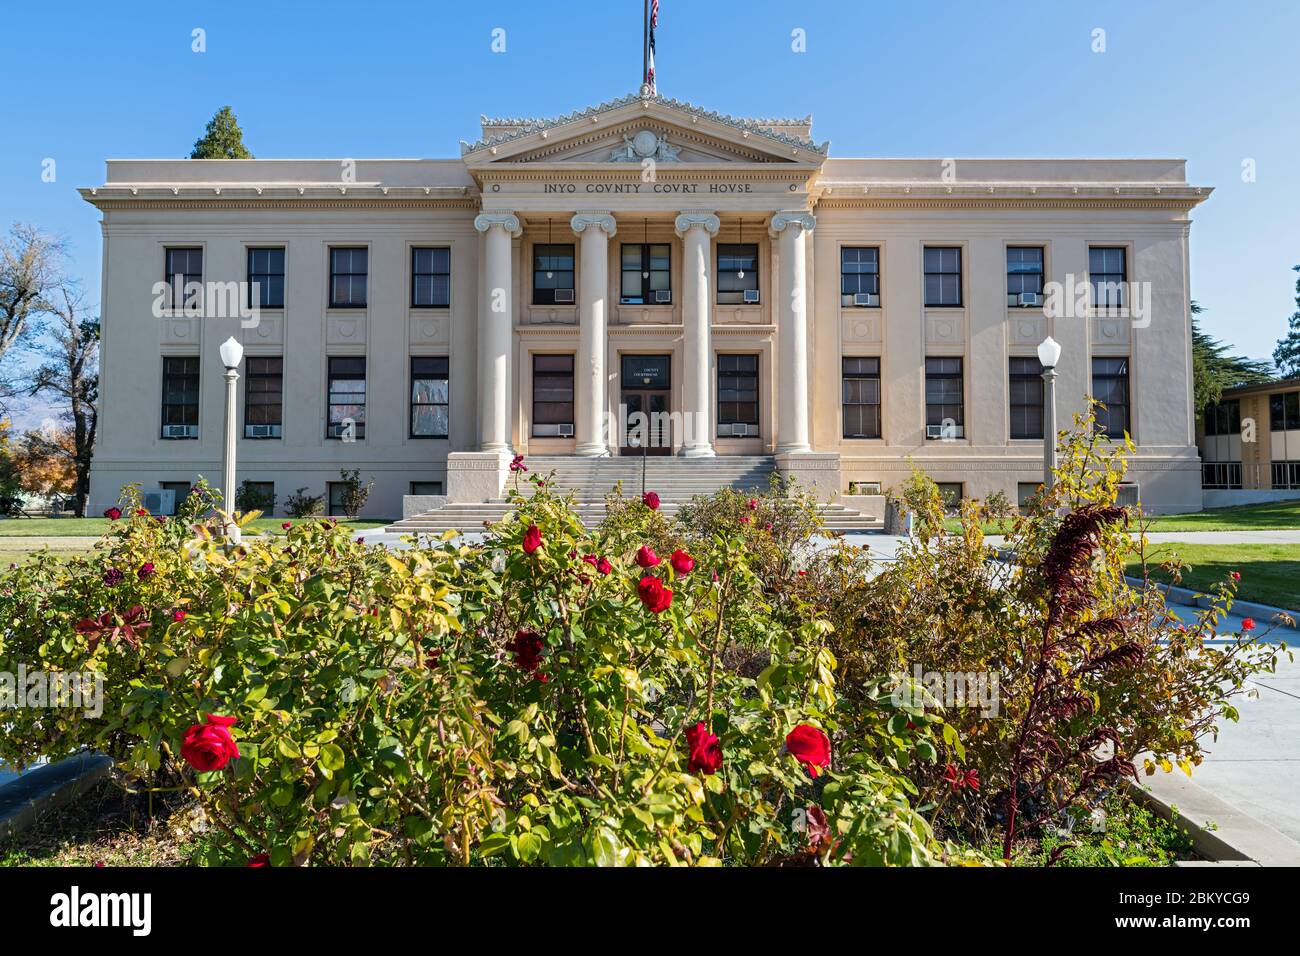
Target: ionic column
696 231
495 330
595 230
792 333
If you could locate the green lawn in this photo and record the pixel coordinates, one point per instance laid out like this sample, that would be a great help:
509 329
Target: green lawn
1270 516
77 527
1270 573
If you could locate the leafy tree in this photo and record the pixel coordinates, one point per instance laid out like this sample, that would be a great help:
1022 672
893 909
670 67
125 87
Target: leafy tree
47 461
222 139
71 372
1215 368
1287 353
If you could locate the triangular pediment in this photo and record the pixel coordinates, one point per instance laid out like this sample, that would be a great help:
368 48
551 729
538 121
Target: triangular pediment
633 129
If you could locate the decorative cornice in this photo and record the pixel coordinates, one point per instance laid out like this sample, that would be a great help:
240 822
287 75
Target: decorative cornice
781 220
506 220
604 220
526 127
688 220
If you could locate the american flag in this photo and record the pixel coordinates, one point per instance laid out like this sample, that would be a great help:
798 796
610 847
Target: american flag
650 47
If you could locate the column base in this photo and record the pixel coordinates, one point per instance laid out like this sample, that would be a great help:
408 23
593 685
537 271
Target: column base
813 471
592 450
477 475
698 451
793 450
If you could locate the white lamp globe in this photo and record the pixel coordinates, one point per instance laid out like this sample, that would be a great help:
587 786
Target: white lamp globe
231 353
1049 352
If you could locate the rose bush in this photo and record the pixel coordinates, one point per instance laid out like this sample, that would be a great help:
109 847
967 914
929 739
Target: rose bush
518 701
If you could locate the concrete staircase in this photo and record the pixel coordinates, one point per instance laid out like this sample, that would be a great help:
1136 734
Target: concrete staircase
675 480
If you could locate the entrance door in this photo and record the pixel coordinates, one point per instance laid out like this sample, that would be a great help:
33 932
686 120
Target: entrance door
645 405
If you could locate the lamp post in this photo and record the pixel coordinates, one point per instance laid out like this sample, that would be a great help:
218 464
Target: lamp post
232 353
1049 353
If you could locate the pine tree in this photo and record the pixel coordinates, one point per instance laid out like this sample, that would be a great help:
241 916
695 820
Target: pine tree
223 139
1214 368
1287 353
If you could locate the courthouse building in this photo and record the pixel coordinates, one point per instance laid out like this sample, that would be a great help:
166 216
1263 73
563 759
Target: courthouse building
422 320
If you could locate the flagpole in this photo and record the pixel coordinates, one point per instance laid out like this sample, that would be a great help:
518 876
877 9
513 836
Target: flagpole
645 43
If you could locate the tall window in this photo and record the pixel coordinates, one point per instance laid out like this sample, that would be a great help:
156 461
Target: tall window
1110 387
347 398
942 276
1107 273
553 396
266 278
1026 398
553 274
860 276
1284 411
1222 418
183 266
431 277
861 385
1286 474
737 273
334 493
1024 275
263 397
737 395
429 396
348 268
647 274
180 397
944 408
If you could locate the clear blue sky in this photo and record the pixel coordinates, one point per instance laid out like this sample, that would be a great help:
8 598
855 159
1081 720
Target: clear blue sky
1214 82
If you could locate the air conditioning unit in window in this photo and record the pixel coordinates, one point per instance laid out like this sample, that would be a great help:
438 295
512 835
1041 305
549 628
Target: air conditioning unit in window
563 296
262 431
1128 495
743 430
944 431
180 431
866 298
1027 298
663 296
751 297
161 502
566 431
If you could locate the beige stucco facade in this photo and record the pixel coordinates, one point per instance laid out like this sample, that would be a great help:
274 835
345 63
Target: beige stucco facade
695 180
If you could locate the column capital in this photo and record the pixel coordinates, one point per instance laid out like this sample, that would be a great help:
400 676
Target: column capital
689 220
781 220
506 220
603 220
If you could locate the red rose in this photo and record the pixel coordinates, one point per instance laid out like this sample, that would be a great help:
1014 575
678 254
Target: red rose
646 557
603 566
682 562
972 779
1235 575
654 595
209 746
705 751
744 519
650 500
517 463
752 504
146 570
286 526
261 860
590 559
953 776
178 615
810 746
527 648
112 514
532 539
819 830
1247 623
141 513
